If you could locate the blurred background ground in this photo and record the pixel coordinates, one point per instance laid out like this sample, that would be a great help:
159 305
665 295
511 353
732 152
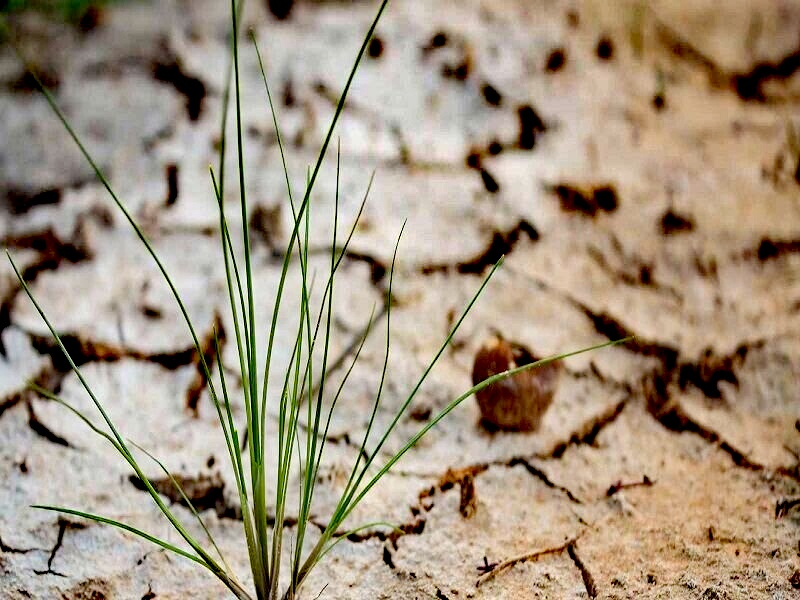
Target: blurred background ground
638 163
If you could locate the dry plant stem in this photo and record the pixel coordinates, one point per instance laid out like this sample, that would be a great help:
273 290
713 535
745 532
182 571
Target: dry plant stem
528 557
536 555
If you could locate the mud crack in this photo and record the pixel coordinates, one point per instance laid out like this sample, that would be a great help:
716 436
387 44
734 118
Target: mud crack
705 374
209 351
63 526
672 416
53 252
588 580
193 89
588 432
542 476
771 249
501 244
43 431
6 549
205 492
83 351
748 85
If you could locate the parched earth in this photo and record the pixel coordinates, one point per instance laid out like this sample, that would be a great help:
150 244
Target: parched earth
638 164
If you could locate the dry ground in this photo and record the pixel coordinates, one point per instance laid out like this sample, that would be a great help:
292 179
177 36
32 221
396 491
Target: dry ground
637 163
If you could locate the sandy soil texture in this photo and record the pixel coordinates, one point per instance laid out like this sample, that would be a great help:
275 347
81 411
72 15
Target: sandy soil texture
638 164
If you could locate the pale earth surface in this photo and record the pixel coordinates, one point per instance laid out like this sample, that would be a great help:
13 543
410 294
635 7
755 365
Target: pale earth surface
704 404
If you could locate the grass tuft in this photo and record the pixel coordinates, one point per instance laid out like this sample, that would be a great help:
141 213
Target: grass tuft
303 420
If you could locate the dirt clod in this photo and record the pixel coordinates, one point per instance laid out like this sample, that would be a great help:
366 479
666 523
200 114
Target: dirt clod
673 222
375 48
605 48
587 201
281 9
491 95
555 60
468 503
530 124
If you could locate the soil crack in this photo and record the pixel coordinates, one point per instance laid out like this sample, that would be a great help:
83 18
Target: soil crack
542 476
6 549
501 244
588 580
53 251
588 432
63 526
42 430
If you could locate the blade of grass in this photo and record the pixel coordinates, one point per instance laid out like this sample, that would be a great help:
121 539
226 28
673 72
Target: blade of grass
50 396
350 491
454 403
323 150
255 433
345 535
229 259
352 482
340 516
311 434
122 447
123 526
179 488
134 225
324 435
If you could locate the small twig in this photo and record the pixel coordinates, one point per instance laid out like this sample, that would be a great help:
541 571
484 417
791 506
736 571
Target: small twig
619 486
318 596
491 570
486 567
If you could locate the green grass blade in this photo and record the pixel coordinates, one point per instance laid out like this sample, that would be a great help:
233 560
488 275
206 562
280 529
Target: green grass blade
63 349
312 434
243 349
454 403
50 396
125 527
324 435
188 502
134 225
255 434
220 190
339 108
338 538
423 377
232 585
288 253
122 446
229 259
231 435
353 482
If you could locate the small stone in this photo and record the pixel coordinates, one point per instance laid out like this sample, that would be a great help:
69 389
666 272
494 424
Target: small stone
518 402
